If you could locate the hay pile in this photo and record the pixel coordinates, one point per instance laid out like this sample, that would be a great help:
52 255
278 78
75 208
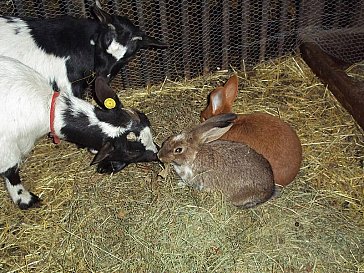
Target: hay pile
136 221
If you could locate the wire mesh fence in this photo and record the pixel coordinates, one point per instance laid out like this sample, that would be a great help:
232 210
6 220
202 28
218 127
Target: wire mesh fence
209 35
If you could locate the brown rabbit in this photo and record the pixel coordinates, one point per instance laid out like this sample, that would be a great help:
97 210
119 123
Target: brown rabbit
206 163
266 134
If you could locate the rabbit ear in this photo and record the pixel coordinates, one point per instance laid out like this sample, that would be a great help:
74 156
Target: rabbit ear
213 128
217 101
215 106
231 90
221 100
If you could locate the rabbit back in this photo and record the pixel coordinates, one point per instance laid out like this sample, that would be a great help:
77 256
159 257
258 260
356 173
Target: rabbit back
242 174
272 138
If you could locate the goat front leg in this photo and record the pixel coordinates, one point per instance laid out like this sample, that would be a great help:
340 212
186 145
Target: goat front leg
20 196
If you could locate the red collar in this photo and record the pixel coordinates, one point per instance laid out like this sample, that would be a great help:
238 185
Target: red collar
56 139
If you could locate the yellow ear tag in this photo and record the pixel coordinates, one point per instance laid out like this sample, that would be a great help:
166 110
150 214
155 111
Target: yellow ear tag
109 103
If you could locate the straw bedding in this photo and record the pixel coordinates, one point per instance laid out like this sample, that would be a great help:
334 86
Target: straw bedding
139 221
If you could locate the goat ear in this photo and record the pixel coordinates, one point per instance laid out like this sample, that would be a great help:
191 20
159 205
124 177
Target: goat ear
104 152
106 97
213 128
231 90
147 42
101 15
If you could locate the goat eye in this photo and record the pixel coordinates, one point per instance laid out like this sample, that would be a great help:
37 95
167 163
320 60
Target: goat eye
178 150
109 37
131 137
108 40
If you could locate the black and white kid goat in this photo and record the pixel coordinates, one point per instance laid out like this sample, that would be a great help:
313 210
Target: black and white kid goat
70 50
29 109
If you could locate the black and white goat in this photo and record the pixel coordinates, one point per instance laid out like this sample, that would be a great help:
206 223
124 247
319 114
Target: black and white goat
29 109
70 50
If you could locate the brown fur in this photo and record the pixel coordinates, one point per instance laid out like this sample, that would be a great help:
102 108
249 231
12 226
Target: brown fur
246 178
266 134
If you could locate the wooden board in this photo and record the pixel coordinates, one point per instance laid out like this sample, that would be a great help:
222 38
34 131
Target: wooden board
348 92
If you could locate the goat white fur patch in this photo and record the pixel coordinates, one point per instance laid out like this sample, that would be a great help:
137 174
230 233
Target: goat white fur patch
79 107
21 46
18 193
146 139
24 110
116 50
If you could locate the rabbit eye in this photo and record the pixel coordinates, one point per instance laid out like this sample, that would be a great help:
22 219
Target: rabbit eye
178 150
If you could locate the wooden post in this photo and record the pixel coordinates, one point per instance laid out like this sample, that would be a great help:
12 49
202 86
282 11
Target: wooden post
348 92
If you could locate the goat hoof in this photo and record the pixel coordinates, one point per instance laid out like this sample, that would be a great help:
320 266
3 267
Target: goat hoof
33 202
110 167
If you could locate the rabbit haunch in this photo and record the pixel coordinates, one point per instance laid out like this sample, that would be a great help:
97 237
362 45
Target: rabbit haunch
121 136
69 50
206 163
